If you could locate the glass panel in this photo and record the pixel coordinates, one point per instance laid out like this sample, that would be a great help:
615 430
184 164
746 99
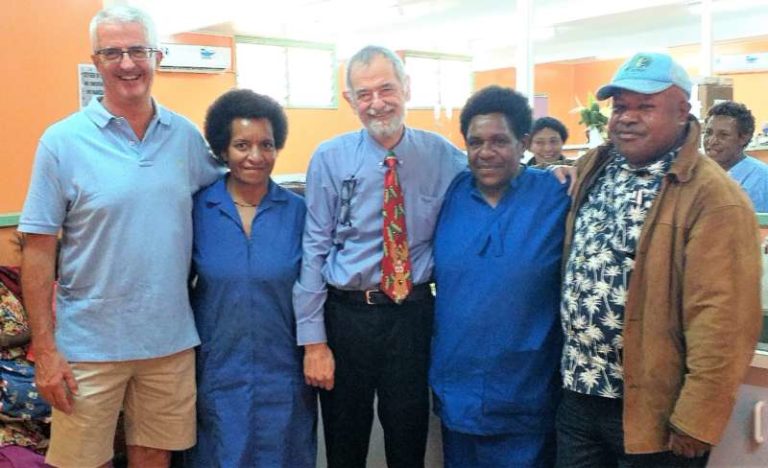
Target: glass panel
425 76
310 77
455 82
262 68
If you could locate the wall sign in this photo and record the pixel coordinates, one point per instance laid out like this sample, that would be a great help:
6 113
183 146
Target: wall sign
89 82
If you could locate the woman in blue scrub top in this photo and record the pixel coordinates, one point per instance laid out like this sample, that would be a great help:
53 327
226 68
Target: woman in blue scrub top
254 408
497 341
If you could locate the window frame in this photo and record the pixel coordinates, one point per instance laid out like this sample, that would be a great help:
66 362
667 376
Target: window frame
438 56
294 44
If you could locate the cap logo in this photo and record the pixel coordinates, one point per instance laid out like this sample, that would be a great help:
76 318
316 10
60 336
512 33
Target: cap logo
641 63
647 73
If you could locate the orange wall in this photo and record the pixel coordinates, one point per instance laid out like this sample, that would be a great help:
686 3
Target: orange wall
501 76
588 77
191 94
562 84
749 88
45 42
557 82
309 127
565 82
42 44
40 87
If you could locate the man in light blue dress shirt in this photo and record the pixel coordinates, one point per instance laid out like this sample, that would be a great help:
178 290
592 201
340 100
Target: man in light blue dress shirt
729 128
359 344
116 180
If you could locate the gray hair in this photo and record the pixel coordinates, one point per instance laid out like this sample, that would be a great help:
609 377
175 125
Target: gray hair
121 14
366 55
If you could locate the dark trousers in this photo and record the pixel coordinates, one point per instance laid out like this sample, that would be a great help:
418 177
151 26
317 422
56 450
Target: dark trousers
590 434
380 350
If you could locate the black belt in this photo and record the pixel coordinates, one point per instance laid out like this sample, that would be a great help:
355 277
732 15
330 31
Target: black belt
377 297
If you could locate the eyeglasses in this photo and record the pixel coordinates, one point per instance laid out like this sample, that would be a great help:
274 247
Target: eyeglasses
137 54
367 95
347 190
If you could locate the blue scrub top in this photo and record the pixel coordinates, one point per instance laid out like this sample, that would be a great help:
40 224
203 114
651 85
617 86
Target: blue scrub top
253 406
497 341
752 175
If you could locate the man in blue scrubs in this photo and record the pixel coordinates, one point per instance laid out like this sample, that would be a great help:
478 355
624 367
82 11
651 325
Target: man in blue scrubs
728 131
116 180
498 249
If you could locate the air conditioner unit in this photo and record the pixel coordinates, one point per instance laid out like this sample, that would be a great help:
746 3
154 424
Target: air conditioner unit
194 58
741 63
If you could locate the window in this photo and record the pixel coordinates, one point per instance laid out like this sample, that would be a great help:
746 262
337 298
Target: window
296 74
438 80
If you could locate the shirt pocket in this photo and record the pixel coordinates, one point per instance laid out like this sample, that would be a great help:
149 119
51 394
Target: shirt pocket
422 212
343 231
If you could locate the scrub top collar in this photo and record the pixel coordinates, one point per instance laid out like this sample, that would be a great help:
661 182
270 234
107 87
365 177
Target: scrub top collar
219 196
513 184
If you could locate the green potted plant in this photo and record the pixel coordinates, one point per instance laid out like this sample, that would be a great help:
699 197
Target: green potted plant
595 118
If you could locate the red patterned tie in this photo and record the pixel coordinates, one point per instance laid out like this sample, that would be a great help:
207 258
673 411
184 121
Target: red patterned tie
396 265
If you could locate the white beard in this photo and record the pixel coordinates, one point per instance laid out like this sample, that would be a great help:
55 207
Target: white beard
386 129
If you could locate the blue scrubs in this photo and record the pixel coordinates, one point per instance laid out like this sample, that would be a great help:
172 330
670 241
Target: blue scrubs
253 406
497 342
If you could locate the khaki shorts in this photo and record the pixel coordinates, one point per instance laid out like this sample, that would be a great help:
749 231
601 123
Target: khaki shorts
157 397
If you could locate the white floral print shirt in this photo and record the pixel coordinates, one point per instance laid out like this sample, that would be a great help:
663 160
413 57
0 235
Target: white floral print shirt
600 263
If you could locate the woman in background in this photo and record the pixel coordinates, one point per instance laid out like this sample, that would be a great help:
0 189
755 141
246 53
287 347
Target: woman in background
548 135
254 408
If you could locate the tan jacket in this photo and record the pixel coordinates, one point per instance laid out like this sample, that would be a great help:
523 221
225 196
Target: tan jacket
693 311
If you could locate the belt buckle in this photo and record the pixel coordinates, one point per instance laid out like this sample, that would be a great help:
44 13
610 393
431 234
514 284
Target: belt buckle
368 297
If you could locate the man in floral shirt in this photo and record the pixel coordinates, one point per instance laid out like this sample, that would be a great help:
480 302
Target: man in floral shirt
661 303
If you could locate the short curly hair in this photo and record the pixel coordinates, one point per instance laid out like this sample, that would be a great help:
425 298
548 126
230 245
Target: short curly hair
745 121
496 99
242 104
551 123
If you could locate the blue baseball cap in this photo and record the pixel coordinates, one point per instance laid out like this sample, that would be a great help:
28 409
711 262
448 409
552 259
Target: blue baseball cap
647 73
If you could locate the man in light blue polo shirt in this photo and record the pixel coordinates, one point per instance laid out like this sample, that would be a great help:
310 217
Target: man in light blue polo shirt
116 180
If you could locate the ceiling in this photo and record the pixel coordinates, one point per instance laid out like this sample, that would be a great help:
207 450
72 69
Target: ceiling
487 30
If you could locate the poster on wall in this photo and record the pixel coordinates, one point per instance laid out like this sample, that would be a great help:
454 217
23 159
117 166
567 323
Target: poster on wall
89 82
